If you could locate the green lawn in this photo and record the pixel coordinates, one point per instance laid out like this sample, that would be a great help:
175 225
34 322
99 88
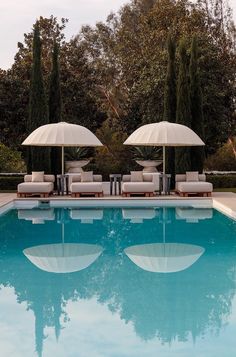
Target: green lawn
231 189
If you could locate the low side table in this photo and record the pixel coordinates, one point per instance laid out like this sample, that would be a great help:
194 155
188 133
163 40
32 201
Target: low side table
62 184
115 179
165 184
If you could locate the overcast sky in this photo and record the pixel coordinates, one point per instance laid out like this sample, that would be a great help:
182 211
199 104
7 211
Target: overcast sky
17 18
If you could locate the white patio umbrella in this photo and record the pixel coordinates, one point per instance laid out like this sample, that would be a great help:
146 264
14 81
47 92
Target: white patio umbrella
62 134
164 134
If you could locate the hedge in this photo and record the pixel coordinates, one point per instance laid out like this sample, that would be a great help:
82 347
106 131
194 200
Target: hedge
222 181
218 181
10 182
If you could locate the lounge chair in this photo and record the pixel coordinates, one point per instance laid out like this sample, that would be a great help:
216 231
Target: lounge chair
42 188
86 215
197 186
36 216
193 215
79 187
147 186
137 215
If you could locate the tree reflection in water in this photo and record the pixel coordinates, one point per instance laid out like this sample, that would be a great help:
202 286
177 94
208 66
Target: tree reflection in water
166 306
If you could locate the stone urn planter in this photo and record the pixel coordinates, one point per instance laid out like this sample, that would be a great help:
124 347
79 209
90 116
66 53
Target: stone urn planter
75 166
149 165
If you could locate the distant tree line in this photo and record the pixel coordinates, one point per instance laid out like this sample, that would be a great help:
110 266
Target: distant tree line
118 75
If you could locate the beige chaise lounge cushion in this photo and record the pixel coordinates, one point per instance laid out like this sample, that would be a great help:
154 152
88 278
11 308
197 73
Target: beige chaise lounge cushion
194 187
86 187
138 187
35 187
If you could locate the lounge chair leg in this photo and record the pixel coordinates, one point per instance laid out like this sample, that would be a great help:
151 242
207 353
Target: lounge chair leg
147 194
151 194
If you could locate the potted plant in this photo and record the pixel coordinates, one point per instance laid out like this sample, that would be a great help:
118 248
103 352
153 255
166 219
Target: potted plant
149 157
76 158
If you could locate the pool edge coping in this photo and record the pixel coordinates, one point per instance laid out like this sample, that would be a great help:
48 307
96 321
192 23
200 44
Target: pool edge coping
211 202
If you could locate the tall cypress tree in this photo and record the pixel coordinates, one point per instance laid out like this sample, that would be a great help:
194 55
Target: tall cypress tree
197 152
38 158
55 105
170 102
183 113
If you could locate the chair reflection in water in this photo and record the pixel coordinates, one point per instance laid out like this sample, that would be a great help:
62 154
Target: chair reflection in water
137 215
36 216
193 215
86 215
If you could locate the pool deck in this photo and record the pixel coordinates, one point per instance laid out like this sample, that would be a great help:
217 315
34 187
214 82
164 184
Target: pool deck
224 202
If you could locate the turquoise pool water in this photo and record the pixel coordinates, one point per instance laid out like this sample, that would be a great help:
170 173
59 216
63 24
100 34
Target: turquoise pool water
145 282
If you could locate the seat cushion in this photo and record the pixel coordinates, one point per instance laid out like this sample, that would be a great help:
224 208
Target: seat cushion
192 176
136 176
37 176
35 187
86 176
86 187
138 187
193 187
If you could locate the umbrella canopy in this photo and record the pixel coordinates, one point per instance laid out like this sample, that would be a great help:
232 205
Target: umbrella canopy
63 257
62 134
164 257
164 134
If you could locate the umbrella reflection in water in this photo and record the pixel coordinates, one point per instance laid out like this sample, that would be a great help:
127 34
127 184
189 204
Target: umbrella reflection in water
164 257
63 257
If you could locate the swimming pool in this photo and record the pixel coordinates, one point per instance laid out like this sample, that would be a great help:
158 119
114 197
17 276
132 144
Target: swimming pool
117 282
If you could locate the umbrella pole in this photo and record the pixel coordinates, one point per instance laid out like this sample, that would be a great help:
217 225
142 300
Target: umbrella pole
164 169
63 237
62 160
164 160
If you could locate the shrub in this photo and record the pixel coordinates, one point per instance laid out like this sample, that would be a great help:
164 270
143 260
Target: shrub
222 181
10 182
224 159
10 160
113 157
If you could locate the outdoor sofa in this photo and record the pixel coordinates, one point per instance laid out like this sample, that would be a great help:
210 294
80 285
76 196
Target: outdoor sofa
86 183
140 183
37 183
192 183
